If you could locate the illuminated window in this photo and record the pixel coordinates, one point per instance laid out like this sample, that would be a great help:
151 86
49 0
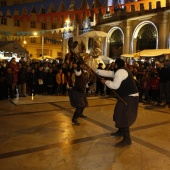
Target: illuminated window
3 3
33 40
42 10
53 26
3 21
59 54
52 9
17 23
33 10
43 25
32 24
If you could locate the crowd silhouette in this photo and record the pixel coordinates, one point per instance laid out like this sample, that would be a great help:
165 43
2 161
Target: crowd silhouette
23 78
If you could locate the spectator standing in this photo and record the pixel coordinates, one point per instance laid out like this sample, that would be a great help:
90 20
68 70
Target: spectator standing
161 74
22 79
167 81
155 85
146 85
60 80
15 70
50 81
33 82
99 84
40 77
8 83
2 81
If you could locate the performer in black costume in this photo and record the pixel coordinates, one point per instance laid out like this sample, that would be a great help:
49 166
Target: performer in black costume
124 85
78 98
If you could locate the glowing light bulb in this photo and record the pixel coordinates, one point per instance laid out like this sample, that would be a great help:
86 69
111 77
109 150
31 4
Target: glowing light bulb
32 96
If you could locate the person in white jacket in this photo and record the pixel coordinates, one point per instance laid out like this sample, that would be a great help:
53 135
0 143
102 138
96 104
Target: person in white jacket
124 85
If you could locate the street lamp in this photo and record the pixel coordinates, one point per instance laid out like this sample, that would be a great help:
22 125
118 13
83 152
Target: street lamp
24 42
35 33
67 22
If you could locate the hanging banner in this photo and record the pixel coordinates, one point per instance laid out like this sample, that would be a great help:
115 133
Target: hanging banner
88 13
96 10
47 4
42 32
5 33
111 10
103 10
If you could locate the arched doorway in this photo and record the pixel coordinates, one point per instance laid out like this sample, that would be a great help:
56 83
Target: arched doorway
116 44
145 36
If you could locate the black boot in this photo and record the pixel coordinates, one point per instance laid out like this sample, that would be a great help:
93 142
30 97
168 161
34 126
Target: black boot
75 121
126 141
13 94
81 113
83 116
117 133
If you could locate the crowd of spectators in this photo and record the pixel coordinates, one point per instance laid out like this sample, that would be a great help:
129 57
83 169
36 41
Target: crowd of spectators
19 79
153 82
52 78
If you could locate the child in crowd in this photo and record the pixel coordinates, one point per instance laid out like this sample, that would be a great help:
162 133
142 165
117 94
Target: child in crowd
60 80
155 85
8 83
146 85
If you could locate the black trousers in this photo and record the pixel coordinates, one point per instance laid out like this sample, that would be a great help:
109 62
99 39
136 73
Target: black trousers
78 112
125 133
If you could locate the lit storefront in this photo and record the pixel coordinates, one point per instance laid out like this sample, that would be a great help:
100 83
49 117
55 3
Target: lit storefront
132 25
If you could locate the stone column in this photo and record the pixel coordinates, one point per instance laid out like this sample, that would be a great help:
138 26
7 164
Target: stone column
64 47
134 43
162 34
75 35
127 37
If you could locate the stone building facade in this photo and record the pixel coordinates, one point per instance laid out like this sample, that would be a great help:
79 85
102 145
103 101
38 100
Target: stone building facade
132 25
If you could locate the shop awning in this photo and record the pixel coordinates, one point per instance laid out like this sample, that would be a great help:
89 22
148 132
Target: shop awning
127 55
12 47
154 52
148 53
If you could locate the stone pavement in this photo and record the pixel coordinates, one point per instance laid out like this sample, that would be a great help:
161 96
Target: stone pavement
37 134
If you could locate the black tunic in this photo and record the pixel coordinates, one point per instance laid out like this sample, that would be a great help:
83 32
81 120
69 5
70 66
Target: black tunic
125 115
78 98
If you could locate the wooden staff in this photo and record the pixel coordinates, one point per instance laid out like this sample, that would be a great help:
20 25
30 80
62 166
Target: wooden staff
98 76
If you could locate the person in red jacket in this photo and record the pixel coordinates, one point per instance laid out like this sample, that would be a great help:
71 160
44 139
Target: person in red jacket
15 69
146 85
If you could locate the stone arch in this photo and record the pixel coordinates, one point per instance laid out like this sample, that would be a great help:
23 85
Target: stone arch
147 34
115 42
